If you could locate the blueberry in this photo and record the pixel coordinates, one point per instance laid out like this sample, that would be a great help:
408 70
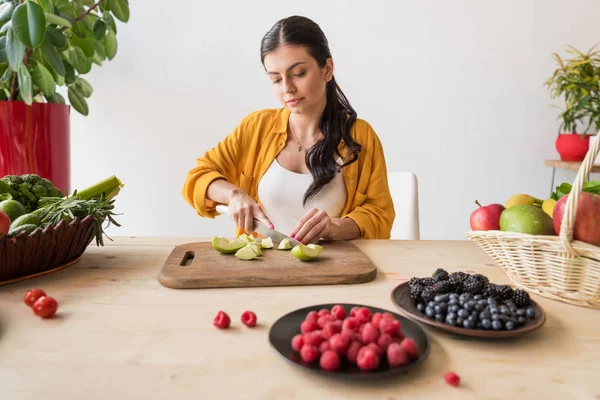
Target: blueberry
459 321
450 321
484 315
486 323
477 297
463 313
530 313
451 315
469 306
453 308
521 321
510 325
452 301
439 317
420 307
482 303
431 304
468 324
521 312
495 317
472 318
430 312
438 309
478 307
496 325
454 296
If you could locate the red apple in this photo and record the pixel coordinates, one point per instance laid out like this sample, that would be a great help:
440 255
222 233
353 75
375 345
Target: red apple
486 218
4 224
587 221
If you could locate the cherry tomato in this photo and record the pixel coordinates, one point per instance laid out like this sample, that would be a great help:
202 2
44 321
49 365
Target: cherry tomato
32 295
45 306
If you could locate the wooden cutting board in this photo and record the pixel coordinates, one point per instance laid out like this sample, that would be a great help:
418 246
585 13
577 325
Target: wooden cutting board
198 265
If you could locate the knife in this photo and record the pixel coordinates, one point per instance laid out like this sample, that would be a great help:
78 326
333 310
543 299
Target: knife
261 228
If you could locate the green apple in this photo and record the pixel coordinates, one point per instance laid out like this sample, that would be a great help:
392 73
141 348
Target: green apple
307 253
267 243
284 245
246 253
226 246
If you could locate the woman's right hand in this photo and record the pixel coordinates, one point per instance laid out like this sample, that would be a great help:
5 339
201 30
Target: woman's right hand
243 209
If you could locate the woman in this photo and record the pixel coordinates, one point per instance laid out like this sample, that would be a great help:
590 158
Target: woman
311 169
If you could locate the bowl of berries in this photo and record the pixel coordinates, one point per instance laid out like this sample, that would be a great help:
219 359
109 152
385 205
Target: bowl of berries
349 341
468 304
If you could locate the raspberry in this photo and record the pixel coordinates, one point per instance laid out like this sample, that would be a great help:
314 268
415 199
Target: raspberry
364 315
452 379
369 333
222 320
312 315
323 347
350 323
379 350
249 319
339 312
308 326
309 353
323 312
388 315
350 335
367 359
376 318
339 343
410 347
396 355
352 351
323 319
298 342
353 311
330 360
314 338
384 340
389 326
330 329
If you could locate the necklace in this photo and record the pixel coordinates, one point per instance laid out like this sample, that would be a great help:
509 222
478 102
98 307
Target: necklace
297 141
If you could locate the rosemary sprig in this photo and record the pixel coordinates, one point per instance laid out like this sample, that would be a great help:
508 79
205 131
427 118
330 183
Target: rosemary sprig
52 210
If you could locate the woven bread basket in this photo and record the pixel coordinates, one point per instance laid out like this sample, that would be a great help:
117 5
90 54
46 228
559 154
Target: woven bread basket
555 267
44 251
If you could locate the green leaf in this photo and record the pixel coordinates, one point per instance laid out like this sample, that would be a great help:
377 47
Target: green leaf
592 187
56 37
6 11
100 50
99 29
56 98
69 73
6 27
43 79
81 63
25 84
120 9
110 44
86 44
52 57
84 87
29 24
15 50
56 20
110 21
3 57
78 101
46 5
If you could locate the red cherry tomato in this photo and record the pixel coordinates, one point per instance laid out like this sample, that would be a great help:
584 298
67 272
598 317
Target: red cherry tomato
45 306
32 295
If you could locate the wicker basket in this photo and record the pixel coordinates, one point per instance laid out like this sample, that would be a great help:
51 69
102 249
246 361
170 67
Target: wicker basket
43 251
556 267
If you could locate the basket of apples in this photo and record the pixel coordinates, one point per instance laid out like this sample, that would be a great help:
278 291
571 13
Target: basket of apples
550 248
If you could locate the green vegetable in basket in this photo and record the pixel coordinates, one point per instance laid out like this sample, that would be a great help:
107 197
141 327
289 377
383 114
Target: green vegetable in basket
28 189
26 219
12 208
27 228
565 188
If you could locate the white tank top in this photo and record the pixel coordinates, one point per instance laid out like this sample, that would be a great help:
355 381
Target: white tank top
281 192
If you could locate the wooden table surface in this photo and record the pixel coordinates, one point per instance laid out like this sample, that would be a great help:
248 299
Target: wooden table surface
119 334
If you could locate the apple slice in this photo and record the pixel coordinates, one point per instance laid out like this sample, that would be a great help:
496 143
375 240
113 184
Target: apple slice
246 253
226 246
307 253
256 247
267 243
285 244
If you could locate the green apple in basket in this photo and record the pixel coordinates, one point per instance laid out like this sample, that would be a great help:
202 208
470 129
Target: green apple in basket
525 218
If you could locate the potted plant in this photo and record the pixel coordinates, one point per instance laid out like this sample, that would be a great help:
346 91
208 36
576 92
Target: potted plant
578 80
45 45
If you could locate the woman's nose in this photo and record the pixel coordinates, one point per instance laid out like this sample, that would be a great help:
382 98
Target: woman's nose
288 87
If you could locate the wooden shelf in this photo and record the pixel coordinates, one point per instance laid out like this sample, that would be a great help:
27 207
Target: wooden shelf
570 165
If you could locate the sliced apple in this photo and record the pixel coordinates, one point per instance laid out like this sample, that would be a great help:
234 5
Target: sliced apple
307 253
285 245
246 253
267 243
227 246
256 247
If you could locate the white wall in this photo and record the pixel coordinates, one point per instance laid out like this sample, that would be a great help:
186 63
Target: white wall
454 90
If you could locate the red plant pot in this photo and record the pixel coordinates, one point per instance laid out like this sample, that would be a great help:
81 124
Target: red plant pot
572 146
36 140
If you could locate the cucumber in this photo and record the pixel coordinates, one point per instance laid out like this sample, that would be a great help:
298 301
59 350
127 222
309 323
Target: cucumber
28 228
26 219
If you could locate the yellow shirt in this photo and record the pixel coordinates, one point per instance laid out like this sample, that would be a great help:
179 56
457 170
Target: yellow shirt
243 157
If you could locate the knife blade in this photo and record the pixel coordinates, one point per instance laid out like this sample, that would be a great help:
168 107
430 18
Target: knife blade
261 228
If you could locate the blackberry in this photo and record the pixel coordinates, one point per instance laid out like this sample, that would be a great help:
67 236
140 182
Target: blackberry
415 291
506 292
427 295
473 285
427 282
482 278
441 287
493 291
414 281
440 275
456 285
521 298
459 275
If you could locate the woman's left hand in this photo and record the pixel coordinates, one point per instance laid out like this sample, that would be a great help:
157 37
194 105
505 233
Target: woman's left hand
315 224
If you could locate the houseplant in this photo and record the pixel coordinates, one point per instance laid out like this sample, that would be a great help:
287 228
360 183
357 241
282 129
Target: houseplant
577 80
46 44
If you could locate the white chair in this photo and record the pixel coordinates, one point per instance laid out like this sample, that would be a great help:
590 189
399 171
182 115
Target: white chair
404 189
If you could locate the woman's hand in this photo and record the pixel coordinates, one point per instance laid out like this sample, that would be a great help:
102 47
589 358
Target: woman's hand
315 224
243 209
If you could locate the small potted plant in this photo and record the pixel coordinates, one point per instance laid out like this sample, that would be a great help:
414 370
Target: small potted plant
577 80
46 44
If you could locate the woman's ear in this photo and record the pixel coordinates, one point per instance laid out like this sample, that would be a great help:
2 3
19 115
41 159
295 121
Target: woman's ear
328 69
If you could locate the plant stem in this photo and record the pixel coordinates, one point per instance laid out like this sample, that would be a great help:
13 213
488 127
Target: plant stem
82 16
